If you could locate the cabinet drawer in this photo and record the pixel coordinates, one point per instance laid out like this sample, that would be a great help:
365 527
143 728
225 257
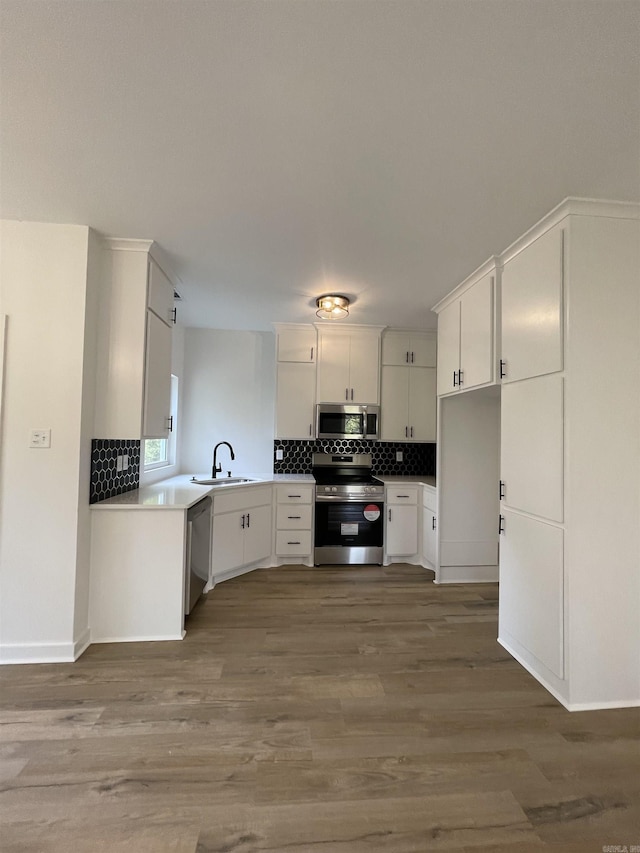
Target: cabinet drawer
293 542
402 494
429 498
291 517
290 493
241 498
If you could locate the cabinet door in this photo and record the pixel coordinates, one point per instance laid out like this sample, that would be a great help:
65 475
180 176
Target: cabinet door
448 346
476 334
394 408
227 542
364 373
429 536
257 534
333 370
422 403
531 589
295 400
531 446
157 378
532 309
297 345
396 348
160 293
402 530
422 350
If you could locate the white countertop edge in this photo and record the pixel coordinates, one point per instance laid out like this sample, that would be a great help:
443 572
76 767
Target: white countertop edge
181 493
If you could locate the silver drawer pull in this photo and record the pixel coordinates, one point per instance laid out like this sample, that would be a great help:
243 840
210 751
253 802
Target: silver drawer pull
403 496
293 543
294 496
294 516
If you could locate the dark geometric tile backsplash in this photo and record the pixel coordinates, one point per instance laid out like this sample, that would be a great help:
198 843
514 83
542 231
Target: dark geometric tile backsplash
418 459
106 480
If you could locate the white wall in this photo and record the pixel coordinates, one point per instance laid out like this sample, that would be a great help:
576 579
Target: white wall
49 366
228 395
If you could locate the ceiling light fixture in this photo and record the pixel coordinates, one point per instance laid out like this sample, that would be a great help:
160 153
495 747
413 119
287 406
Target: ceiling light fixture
332 307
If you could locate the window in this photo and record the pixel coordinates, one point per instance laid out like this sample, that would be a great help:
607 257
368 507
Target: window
161 452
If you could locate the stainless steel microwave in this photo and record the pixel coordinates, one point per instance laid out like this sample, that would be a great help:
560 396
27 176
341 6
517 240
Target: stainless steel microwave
347 421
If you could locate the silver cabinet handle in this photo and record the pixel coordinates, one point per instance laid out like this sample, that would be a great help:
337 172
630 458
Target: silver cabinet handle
293 543
389 515
242 525
294 516
406 432
412 358
248 519
500 524
403 496
346 393
411 432
433 522
352 393
503 368
310 429
406 357
311 359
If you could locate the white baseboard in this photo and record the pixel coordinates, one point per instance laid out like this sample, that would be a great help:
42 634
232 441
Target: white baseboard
467 574
142 639
11 653
82 643
570 706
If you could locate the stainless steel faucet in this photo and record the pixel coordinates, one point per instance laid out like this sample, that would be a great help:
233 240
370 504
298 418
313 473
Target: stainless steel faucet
217 468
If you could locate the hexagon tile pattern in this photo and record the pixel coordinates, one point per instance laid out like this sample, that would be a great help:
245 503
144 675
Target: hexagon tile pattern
106 481
419 459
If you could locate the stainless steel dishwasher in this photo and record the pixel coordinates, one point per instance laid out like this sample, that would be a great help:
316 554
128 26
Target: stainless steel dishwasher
198 557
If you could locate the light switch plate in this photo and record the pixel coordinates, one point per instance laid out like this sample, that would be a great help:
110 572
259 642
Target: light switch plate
399 456
118 463
279 454
40 438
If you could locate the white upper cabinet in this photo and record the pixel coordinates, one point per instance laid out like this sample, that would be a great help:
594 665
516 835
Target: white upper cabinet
466 332
160 296
417 349
296 343
295 399
408 403
408 386
348 364
133 390
532 291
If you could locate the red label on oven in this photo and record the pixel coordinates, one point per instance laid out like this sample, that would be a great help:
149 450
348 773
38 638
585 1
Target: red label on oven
371 512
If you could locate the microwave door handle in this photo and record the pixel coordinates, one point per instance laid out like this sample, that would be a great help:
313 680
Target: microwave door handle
364 423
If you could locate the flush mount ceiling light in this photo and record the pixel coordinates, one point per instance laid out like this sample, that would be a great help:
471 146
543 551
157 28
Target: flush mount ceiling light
332 307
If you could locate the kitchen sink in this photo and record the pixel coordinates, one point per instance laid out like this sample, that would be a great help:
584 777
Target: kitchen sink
224 481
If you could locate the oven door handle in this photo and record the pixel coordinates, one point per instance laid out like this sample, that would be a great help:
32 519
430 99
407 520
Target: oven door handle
363 499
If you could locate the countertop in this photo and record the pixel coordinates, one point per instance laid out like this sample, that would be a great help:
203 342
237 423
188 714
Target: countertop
180 493
418 480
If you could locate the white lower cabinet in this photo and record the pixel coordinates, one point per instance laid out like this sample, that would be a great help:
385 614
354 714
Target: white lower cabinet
294 523
429 526
137 574
241 530
532 589
401 527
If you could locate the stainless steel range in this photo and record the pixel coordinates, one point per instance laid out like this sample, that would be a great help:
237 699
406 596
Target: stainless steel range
349 525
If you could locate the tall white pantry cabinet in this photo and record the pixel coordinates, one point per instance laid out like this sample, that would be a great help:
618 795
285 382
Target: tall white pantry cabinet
570 453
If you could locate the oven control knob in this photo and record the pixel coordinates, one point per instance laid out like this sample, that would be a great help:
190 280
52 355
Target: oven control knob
334 488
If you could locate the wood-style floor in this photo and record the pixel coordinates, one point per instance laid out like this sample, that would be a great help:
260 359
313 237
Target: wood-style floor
329 710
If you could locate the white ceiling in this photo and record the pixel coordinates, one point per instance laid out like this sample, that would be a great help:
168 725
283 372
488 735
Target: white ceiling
279 149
